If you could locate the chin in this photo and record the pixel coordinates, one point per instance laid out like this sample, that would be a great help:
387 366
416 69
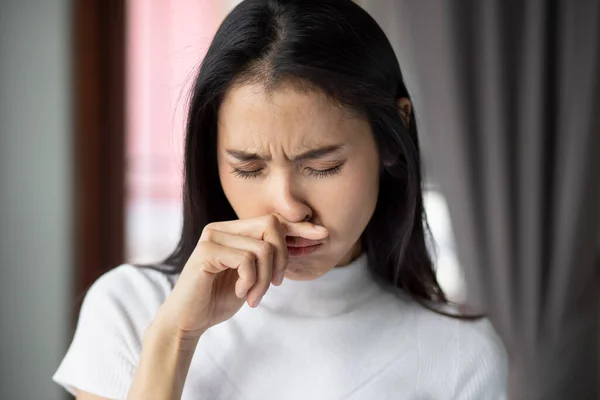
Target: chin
303 275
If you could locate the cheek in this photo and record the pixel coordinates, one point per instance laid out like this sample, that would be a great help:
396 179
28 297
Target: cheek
246 196
347 207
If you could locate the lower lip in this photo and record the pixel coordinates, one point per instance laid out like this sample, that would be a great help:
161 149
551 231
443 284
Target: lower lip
302 251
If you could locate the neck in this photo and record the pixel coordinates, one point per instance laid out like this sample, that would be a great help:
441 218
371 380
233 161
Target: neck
337 292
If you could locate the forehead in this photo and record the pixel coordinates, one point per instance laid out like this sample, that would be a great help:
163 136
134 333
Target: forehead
255 118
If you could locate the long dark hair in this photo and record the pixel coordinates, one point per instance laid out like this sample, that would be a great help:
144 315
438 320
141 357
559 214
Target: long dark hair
336 47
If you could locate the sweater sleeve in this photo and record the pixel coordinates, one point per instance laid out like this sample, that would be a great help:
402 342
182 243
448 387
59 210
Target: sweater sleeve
104 352
481 357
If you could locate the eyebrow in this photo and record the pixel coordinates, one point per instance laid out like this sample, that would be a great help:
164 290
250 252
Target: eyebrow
313 154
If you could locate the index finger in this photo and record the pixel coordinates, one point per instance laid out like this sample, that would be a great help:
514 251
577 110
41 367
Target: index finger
304 229
272 228
258 227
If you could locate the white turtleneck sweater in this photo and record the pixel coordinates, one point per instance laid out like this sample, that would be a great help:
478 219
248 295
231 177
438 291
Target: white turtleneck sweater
337 337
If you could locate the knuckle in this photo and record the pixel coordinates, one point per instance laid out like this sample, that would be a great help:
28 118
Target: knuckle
272 222
273 228
207 234
266 249
248 257
207 229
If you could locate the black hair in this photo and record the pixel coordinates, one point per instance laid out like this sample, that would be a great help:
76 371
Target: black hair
338 48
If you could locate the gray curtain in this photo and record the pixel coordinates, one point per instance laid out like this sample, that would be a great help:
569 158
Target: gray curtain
507 99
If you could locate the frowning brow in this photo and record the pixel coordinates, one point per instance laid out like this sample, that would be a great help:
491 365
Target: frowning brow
313 154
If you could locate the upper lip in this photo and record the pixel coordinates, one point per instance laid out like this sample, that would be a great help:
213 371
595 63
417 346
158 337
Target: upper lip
301 242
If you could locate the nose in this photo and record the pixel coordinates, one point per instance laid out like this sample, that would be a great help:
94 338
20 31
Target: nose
288 200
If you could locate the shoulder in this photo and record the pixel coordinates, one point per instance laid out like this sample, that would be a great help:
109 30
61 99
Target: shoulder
482 362
468 350
479 346
132 283
116 310
128 289
464 333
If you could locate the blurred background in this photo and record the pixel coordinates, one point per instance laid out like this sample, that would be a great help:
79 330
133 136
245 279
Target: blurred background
92 105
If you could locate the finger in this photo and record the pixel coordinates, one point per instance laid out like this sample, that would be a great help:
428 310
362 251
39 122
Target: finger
254 227
272 228
264 271
218 258
262 249
263 229
304 229
240 288
274 233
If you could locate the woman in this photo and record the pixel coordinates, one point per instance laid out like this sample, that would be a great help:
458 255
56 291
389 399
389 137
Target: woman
302 271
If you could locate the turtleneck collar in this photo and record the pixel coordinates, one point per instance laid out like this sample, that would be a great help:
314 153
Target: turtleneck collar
337 292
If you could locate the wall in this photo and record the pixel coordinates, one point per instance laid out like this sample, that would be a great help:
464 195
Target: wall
167 40
35 196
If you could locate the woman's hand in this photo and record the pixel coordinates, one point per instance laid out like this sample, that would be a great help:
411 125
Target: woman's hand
234 261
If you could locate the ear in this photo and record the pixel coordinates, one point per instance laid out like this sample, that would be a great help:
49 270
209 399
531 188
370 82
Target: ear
405 109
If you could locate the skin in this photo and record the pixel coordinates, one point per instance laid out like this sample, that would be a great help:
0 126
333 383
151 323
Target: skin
278 126
236 261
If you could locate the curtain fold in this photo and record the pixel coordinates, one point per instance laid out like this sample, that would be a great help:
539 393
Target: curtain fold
507 99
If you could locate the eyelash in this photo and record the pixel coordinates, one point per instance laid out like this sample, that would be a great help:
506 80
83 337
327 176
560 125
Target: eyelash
313 173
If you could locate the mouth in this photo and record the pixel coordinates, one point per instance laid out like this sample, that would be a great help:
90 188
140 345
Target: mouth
298 246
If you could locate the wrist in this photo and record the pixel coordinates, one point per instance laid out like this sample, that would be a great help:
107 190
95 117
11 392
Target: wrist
165 333
165 360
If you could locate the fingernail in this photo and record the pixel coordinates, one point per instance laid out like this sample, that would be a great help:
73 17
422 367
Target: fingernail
320 228
257 302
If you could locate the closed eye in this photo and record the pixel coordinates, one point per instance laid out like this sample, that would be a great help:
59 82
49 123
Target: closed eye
322 173
247 174
313 173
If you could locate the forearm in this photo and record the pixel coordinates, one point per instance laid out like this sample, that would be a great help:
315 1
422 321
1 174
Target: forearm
163 367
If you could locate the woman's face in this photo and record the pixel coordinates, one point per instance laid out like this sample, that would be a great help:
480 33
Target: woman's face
298 154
